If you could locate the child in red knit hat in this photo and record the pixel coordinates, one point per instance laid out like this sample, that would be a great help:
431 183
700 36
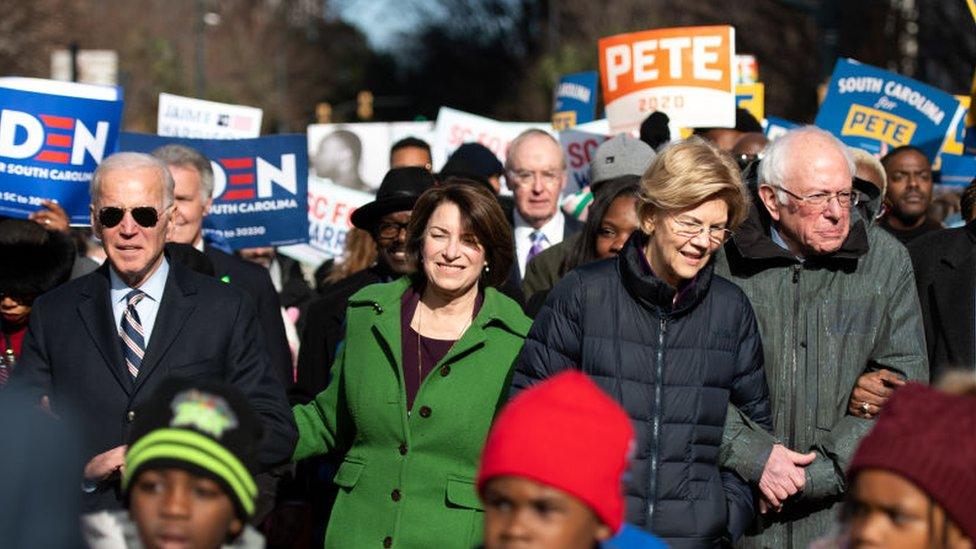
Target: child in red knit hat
552 467
913 478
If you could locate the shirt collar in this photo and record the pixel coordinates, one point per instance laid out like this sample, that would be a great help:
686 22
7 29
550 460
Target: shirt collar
553 229
153 288
778 239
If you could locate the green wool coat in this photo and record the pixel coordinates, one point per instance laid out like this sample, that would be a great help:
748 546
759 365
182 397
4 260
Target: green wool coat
407 479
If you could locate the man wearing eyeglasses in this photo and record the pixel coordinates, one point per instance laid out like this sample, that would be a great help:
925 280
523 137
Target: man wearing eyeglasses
837 309
535 171
98 346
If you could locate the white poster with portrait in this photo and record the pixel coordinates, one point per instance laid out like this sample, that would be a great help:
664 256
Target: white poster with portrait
354 156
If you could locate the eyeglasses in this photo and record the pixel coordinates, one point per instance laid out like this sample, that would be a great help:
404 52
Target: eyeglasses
550 178
743 160
145 216
845 199
390 229
689 229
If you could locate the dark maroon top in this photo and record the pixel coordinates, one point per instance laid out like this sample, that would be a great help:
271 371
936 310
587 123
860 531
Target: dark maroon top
431 350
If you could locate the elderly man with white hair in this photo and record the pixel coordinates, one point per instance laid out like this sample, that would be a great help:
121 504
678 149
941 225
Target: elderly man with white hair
98 346
837 309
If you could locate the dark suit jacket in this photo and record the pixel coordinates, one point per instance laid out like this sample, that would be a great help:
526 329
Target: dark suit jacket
945 274
203 329
515 276
255 281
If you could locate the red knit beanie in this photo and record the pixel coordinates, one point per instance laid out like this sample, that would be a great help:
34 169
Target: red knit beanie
565 433
929 438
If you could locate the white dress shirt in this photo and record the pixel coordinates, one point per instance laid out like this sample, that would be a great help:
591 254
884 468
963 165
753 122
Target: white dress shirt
148 307
553 230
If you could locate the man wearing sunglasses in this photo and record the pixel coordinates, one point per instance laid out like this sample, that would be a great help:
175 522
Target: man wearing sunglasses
193 193
837 309
98 346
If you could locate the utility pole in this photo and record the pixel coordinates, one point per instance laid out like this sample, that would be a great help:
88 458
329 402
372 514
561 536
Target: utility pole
199 28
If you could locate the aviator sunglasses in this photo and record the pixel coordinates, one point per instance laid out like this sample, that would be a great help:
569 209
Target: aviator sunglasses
145 216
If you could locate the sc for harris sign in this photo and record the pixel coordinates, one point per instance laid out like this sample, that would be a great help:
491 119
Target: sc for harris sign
260 193
50 145
866 107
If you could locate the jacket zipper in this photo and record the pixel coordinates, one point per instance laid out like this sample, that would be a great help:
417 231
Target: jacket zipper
656 428
793 401
794 366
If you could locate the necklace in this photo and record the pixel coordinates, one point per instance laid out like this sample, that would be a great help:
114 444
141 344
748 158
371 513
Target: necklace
420 310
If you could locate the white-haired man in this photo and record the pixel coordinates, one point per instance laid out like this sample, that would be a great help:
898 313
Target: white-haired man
535 171
98 346
836 304
193 194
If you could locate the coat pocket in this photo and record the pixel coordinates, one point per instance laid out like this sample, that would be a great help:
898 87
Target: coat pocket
461 493
348 474
195 369
463 498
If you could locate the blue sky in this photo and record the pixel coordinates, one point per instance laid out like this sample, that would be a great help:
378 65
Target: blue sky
382 20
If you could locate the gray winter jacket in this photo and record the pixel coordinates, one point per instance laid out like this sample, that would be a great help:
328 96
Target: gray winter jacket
824 322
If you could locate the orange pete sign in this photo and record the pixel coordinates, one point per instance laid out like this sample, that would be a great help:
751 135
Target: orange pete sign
685 72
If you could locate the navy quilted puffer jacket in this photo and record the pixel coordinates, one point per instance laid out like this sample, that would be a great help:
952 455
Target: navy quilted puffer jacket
674 365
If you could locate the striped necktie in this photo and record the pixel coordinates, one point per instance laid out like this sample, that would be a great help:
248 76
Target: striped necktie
133 337
538 239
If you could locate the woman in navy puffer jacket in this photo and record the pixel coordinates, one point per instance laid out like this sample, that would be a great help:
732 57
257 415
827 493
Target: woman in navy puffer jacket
673 343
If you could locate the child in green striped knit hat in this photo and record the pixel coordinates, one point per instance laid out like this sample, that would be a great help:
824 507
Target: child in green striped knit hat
189 464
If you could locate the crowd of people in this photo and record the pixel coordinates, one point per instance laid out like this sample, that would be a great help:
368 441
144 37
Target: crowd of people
720 341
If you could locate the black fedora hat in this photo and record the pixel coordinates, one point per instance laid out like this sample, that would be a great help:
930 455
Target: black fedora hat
398 192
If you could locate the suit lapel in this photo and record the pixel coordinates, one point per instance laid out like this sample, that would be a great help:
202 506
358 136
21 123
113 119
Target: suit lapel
95 309
955 296
571 226
174 309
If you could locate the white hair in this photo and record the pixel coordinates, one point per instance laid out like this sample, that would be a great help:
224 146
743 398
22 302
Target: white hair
778 155
176 154
131 161
531 132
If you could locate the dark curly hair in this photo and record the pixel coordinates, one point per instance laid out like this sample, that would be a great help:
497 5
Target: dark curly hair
34 259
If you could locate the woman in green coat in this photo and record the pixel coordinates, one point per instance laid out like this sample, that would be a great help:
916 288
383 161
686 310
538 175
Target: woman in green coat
425 366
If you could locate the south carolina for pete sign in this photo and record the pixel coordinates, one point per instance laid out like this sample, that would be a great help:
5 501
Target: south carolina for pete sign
874 110
684 72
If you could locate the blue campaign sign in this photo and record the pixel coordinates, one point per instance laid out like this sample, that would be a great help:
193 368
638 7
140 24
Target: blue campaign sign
876 110
50 146
955 166
774 127
575 100
260 193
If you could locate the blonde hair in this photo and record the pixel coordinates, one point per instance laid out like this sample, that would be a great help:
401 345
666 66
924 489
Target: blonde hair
687 173
864 159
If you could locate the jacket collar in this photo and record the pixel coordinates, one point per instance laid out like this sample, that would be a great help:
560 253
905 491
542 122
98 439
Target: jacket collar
959 253
753 241
496 309
652 292
95 309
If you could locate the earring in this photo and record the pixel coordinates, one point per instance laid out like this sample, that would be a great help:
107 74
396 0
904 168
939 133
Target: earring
486 267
